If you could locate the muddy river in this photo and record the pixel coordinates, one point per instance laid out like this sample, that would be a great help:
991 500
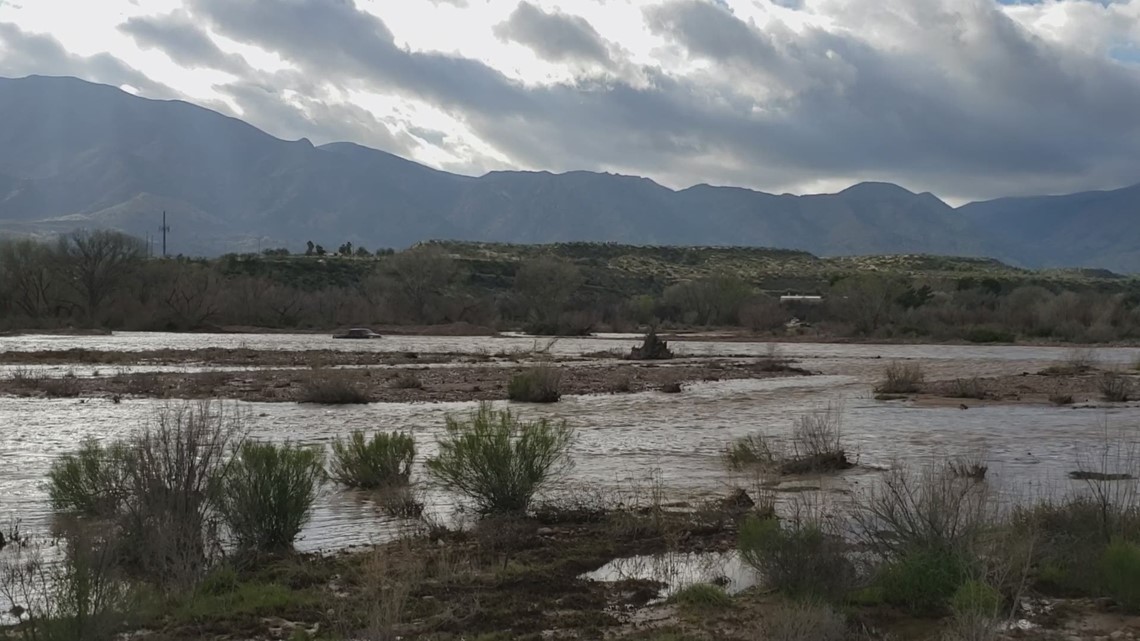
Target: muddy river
623 440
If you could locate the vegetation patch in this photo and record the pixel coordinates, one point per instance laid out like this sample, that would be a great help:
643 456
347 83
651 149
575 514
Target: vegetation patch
537 385
333 388
901 378
385 460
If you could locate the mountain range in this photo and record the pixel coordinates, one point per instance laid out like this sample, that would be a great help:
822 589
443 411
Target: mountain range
77 154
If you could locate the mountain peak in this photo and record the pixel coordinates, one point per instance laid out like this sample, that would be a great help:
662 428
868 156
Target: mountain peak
873 189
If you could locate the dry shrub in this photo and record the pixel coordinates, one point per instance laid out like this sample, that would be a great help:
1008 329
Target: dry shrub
931 509
901 378
540 384
652 348
969 388
803 621
82 597
1115 387
67 386
972 465
1079 360
752 450
406 380
333 388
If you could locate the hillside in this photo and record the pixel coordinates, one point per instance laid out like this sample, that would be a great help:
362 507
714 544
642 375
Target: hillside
75 154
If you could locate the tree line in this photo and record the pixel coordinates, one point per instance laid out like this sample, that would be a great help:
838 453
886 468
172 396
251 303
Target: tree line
104 279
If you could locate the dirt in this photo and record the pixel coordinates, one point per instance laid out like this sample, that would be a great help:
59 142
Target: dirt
459 382
1078 390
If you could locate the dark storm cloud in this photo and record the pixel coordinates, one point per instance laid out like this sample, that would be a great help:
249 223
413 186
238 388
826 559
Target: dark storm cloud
23 54
182 40
556 37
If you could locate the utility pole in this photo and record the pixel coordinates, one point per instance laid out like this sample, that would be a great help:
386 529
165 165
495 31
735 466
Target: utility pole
165 228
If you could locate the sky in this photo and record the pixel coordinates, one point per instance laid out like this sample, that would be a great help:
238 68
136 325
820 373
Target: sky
968 99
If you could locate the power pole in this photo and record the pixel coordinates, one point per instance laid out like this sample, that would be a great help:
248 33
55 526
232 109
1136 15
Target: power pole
165 228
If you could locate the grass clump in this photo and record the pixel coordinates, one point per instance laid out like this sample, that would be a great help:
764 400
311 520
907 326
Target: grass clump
901 378
749 451
536 385
92 481
702 596
798 557
498 460
267 493
1119 570
384 461
969 466
333 389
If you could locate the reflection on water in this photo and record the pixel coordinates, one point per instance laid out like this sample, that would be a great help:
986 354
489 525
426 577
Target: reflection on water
679 570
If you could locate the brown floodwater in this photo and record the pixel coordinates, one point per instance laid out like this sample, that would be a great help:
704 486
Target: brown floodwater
624 441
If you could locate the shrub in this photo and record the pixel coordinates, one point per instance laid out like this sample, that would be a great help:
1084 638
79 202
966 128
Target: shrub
652 348
333 389
751 450
989 335
803 622
63 387
901 378
536 385
672 387
1119 570
407 380
384 461
1061 399
817 443
167 516
1115 387
923 580
977 598
969 388
82 597
92 481
702 596
267 493
933 509
969 466
498 460
797 558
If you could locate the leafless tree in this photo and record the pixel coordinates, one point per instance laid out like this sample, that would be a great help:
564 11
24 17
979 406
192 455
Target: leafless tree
95 264
423 274
26 274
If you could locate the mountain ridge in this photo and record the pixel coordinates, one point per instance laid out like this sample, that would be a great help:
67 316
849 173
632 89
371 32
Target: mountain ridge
81 154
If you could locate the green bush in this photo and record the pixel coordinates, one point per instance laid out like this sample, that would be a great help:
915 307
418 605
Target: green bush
1119 570
976 598
989 335
797 558
498 460
923 580
92 481
702 596
384 461
267 492
536 385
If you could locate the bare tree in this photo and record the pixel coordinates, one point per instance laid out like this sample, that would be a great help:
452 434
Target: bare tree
26 274
96 263
544 286
191 295
423 274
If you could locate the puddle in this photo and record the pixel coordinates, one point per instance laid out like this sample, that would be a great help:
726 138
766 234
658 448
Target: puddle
680 570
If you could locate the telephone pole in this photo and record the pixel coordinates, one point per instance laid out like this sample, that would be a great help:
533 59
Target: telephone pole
165 228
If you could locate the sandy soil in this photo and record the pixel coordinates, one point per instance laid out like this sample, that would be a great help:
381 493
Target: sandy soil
461 382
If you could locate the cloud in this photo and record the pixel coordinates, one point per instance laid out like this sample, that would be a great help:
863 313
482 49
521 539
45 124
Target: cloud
556 37
179 37
966 98
23 54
